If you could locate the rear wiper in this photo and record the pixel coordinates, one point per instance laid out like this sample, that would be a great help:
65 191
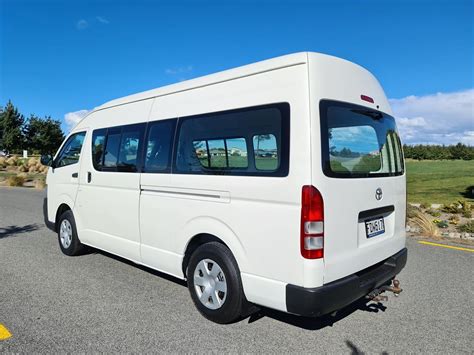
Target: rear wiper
372 114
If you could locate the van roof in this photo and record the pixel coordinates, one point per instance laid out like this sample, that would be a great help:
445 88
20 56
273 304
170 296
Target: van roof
246 70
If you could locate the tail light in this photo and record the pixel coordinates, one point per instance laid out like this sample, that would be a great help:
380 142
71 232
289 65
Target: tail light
312 223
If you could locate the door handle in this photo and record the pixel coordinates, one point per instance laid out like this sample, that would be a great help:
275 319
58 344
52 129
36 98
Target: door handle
75 175
89 176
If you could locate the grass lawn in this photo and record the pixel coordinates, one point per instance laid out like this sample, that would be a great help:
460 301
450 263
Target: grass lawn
439 181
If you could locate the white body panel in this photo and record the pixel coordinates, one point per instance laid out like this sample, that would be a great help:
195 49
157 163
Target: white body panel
150 218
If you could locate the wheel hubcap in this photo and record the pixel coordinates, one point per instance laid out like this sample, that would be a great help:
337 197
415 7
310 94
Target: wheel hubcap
210 284
65 233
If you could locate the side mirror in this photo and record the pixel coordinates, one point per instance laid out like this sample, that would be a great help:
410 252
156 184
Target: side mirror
47 160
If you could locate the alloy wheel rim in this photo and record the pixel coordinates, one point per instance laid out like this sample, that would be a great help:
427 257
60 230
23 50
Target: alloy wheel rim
65 233
210 284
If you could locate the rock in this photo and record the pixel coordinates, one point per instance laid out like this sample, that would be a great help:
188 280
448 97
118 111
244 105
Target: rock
436 206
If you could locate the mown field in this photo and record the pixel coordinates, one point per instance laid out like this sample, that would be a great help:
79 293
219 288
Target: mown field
439 181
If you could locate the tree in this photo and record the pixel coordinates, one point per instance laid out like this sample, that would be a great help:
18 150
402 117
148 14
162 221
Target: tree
1 126
11 122
439 152
43 135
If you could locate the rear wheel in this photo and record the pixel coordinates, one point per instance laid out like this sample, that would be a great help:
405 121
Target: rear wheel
67 235
214 283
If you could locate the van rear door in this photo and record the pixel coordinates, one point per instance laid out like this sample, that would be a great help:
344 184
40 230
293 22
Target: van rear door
363 186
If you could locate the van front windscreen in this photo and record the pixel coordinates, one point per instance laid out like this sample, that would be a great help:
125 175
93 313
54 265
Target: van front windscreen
358 142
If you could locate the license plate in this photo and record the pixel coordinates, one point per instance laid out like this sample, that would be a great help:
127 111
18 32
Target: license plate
374 227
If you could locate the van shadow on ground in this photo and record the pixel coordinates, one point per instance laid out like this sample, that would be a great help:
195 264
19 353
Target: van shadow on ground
13 231
320 322
301 322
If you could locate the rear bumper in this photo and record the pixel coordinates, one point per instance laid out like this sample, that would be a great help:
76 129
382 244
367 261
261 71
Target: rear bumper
335 295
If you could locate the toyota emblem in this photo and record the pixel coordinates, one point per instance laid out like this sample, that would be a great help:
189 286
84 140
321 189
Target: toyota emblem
378 194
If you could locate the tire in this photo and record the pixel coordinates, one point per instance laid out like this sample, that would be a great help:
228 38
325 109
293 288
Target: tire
67 235
221 300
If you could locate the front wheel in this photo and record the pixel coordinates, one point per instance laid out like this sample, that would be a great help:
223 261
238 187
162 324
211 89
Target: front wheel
214 283
67 235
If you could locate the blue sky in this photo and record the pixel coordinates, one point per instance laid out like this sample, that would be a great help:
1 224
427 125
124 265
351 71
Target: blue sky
59 57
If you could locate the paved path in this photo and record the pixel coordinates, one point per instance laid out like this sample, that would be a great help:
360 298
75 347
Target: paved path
50 302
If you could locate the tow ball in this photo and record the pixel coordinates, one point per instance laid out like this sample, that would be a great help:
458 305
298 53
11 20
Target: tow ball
376 295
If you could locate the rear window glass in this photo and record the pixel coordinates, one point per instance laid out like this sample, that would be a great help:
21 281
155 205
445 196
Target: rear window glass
359 142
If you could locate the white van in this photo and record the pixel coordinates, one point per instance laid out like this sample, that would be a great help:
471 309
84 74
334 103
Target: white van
279 184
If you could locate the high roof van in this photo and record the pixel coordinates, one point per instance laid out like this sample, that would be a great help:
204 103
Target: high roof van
279 184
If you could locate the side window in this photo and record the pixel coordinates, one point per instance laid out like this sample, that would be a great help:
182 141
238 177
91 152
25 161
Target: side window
71 150
266 152
222 153
130 148
98 140
158 146
252 141
237 152
112 148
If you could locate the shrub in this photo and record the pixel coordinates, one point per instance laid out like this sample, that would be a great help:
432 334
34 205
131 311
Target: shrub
16 181
467 228
433 212
22 169
427 228
11 161
451 208
40 184
32 161
20 162
465 206
412 211
442 224
467 214
454 219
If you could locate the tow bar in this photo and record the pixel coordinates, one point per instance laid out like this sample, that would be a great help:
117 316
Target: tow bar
376 295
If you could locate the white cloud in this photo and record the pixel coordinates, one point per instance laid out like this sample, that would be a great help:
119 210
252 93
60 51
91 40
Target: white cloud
73 118
179 70
102 20
442 118
82 24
